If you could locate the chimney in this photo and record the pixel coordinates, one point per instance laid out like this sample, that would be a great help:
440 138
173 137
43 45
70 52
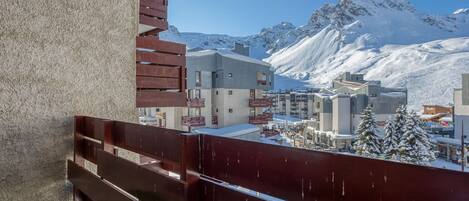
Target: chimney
241 49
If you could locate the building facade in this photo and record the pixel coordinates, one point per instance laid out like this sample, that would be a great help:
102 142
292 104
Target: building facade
461 109
297 104
225 88
337 111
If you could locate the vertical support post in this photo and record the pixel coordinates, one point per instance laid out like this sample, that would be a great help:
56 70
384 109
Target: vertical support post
105 126
183 158
463 160
78 128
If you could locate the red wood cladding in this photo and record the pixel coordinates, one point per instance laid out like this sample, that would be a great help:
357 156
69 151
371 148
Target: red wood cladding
153 3
154 22
153 43
212 162
157 83
93 186
154 98
160 12
161 58
157 71
144 183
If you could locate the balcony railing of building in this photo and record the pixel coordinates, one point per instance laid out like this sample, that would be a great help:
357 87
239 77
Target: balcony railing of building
161 71
269 132
206 167
196 102
193 121
260 102
262 82
215 120
263 118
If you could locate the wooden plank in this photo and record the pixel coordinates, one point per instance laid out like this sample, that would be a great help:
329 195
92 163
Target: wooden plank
157 83
153 98
161 58
158 143
214 191
154 22
154 12
143 183
158 71
153 3
161 46
86 149
92 186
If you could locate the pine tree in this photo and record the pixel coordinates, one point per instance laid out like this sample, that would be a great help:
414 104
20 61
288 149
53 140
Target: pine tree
415 146
391 140
367 143
393 132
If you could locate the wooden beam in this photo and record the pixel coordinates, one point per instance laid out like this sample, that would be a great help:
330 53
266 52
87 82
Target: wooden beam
153 43
161 58
153 98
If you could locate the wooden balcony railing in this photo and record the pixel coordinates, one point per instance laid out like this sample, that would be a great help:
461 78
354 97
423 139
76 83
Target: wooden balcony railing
270 132
262 82
153 15
161 76
193 121
196 102
215 120
260 102
204 164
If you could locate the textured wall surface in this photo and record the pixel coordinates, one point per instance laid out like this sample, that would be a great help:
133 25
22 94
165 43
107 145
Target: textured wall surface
57 59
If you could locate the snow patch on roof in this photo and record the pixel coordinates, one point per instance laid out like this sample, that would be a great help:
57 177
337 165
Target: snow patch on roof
229 131
228 54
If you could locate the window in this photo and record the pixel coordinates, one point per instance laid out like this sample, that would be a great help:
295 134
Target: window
216 110
216 92
252 93
230 92
230 110
198 78
230 74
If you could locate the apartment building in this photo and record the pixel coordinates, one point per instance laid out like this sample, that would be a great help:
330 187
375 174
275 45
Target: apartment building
224 88
461 108
297 104
337 110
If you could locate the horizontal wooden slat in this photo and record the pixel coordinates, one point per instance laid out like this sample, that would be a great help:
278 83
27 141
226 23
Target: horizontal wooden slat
158 143
87 149
143 183
154 12
154 22
157 83
161 46
161 58
92 186
153 98
158 71
218 192
153 3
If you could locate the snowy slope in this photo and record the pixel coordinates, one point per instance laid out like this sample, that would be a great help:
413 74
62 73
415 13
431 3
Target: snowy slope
387 39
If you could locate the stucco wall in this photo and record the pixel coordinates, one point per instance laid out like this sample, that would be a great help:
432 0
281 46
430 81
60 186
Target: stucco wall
58 59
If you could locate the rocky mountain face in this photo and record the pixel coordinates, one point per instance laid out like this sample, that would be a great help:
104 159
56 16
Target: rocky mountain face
389 40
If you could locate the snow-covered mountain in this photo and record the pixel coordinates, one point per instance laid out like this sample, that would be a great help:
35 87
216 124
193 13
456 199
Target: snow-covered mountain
389 40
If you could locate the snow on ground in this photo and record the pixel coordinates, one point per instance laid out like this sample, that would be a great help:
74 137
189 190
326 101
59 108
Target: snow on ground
229 131
440 163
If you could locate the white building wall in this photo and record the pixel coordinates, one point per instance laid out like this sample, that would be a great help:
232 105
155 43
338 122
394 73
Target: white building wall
325 121
341 115
238 101
461 114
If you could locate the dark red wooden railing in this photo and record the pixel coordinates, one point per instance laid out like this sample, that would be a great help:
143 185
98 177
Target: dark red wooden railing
206 164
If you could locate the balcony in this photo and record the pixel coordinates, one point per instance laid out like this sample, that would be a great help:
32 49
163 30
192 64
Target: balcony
194 121
262 82
206 164
260 102
270 132
215 120
196 102
261 118
153 16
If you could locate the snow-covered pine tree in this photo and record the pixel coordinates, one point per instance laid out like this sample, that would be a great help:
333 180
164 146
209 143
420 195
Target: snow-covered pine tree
393 132
415 146
367 143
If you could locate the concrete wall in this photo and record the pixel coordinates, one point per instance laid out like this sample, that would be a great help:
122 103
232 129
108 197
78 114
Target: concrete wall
58 59
461 114
239 102
341 114
325 121
465 89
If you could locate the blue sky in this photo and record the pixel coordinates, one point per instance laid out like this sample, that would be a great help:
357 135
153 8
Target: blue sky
245 17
